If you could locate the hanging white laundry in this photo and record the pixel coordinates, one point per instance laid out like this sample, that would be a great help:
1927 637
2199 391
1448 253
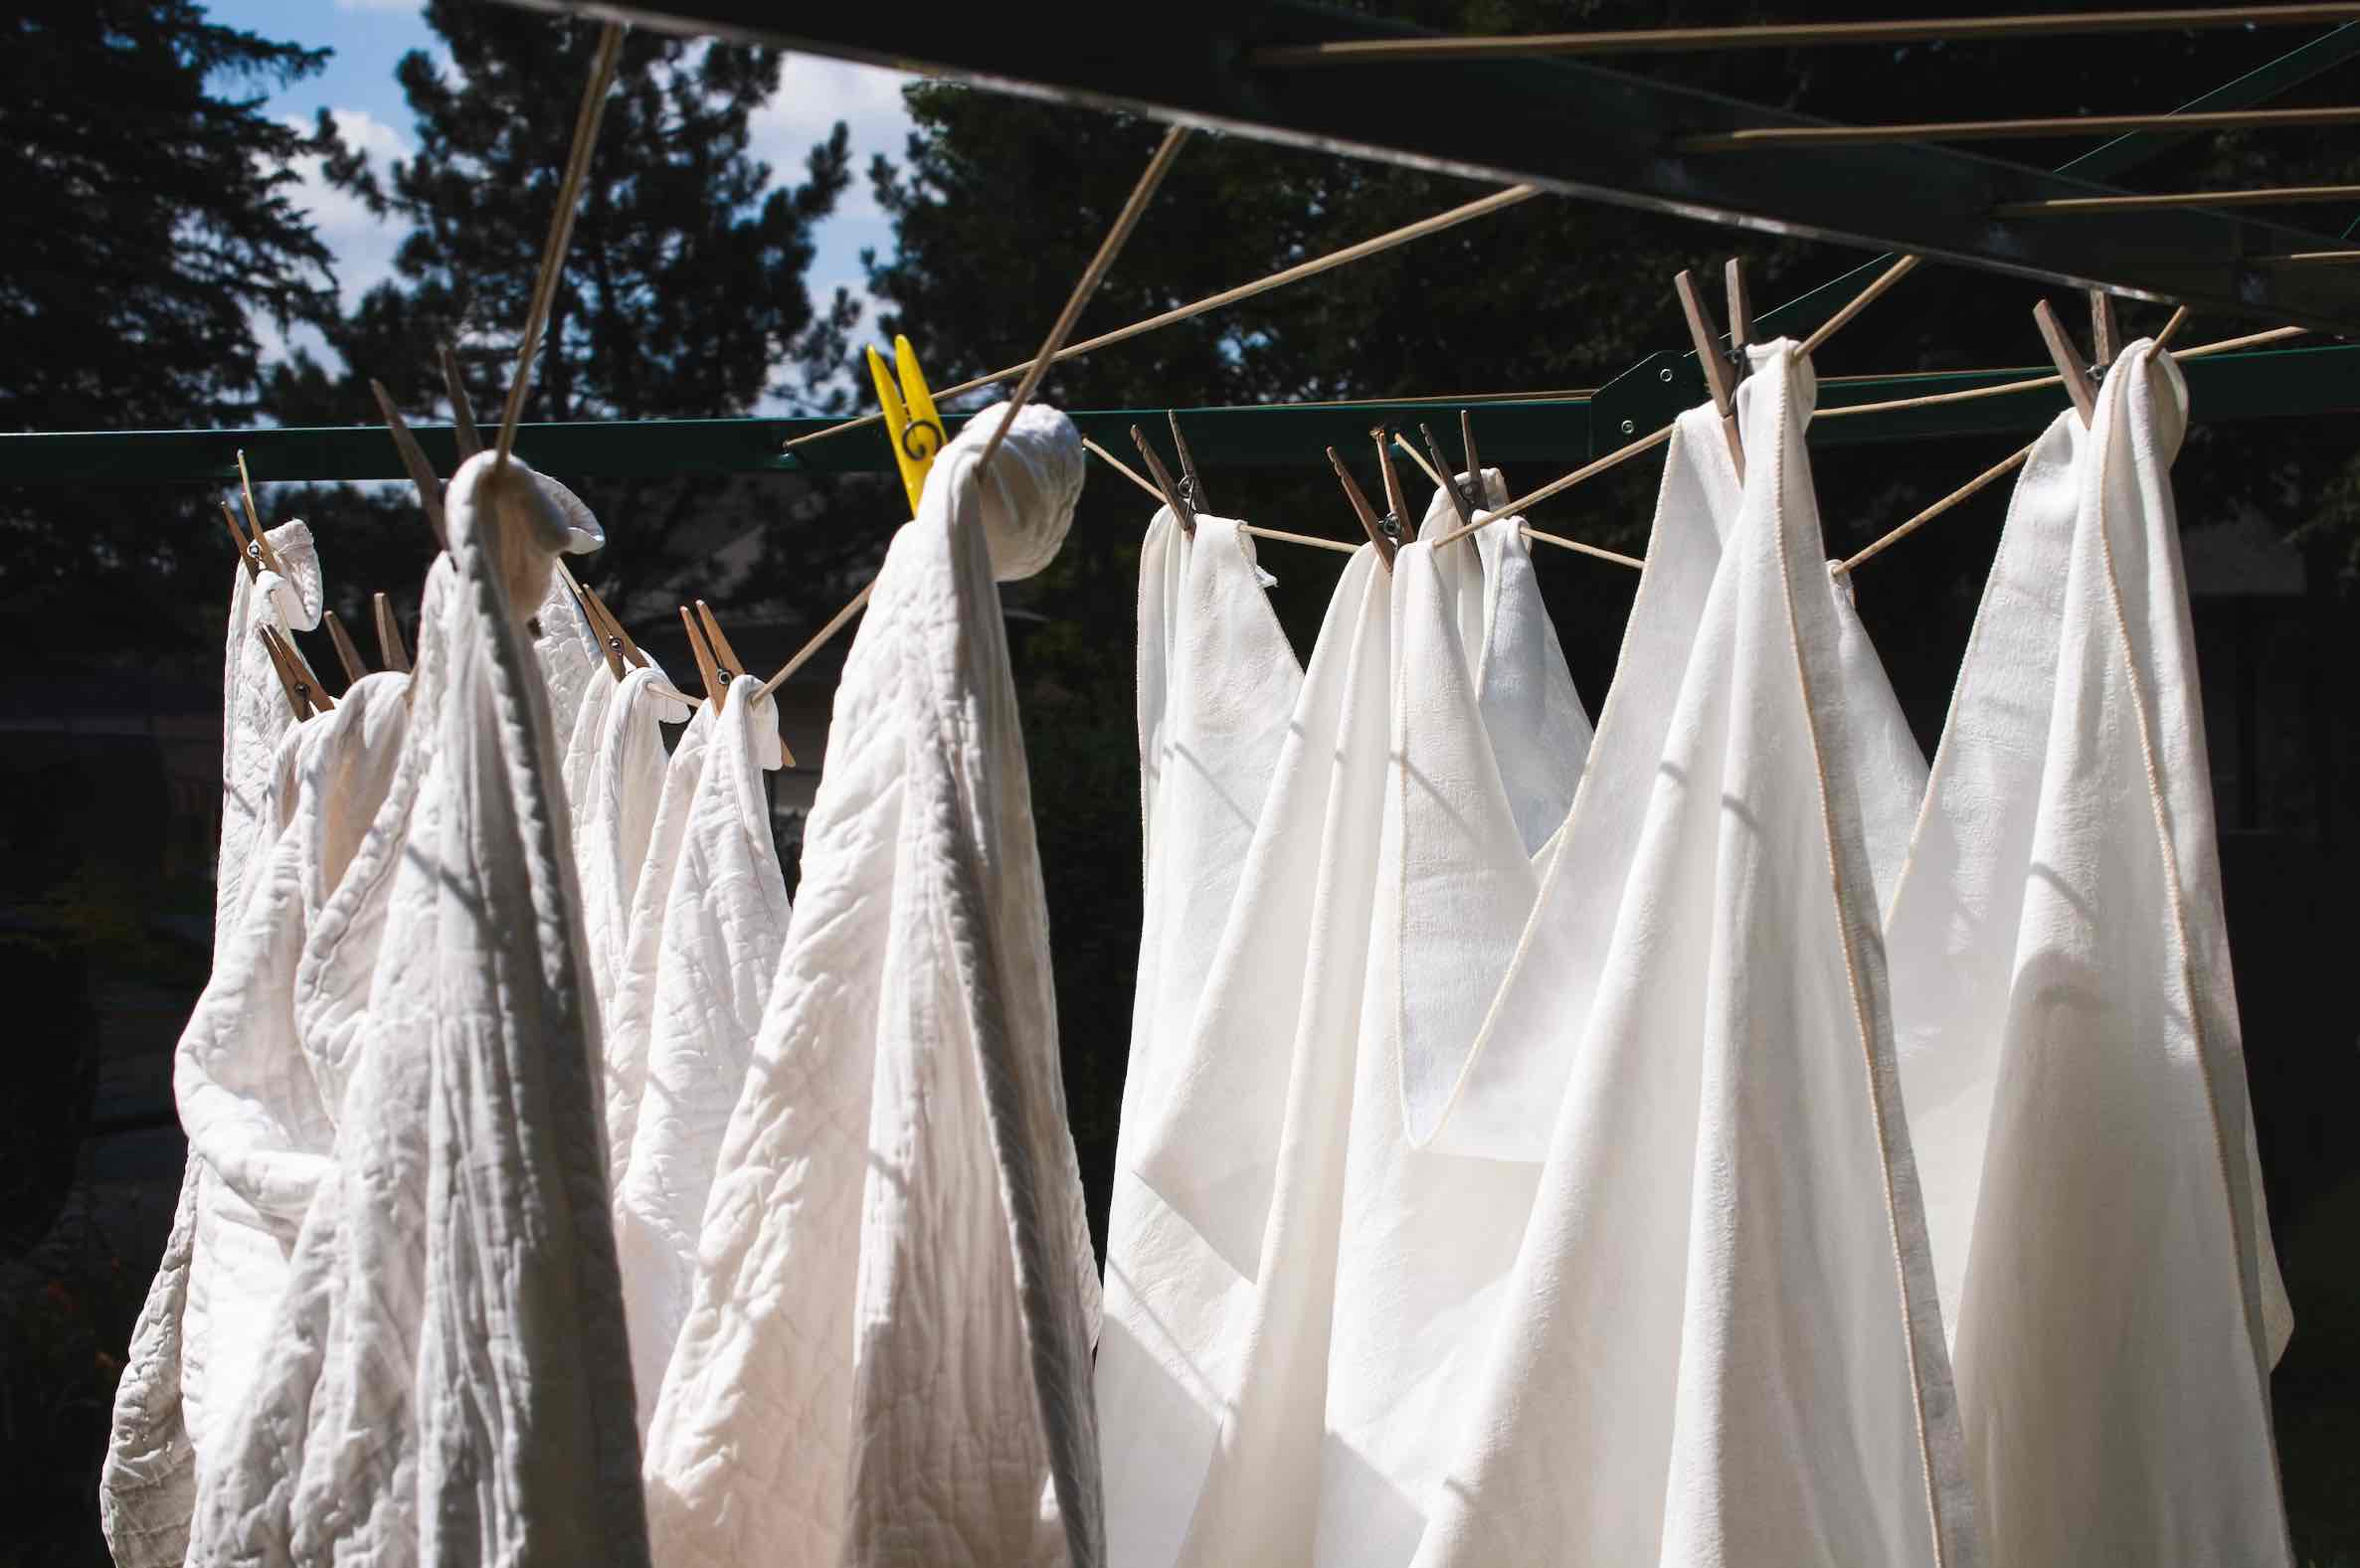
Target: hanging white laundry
614 817
1888 762
250 1097
1952 923
568 654
628 1024
2071 1047
1431 1224
1720 1341
1218 686
1244 1159
1540 732
887 1361
720 927
147 1484
456 1385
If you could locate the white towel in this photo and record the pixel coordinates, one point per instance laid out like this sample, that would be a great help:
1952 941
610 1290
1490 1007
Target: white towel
1431 1232
615 813
1245 1163
257 1106
887 1361
1218 686
1721 1341
1540 732
147 1484
627 1021
2071 1053
719 929
454 1386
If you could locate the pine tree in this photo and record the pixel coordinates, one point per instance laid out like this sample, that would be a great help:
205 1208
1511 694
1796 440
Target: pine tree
150 225
682 293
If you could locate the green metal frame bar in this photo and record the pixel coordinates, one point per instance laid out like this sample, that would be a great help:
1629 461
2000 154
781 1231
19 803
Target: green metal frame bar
1566 125
1529 434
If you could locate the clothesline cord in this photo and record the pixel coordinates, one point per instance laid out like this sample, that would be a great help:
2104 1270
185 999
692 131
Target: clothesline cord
1125 221
1092 275
561 229
1374 245
1134 475
2015 461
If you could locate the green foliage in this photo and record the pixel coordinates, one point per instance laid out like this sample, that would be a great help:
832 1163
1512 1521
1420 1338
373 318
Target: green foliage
150 224
682 293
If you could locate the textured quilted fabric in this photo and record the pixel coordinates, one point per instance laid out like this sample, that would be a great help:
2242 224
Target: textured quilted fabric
720 927
887 1358
453 1385
259 1116
148 1484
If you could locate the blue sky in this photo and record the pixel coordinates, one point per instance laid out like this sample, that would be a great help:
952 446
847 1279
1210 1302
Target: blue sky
357 86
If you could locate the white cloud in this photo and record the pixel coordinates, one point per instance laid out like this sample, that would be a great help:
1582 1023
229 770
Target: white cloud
814 94
362 243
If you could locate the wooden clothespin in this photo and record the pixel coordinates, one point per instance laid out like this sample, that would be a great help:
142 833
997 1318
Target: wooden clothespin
247 556
1719 379
1364 512
911 422
1173 496
463 414
1450 483
1191 483
1402 525
389 637
730 666
615 626
2106 333
260 542
609 644
1474 463
303 691
346 654
708 668
421 471
2068 358
1740 307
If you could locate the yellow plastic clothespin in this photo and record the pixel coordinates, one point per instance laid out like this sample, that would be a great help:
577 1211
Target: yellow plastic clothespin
910 419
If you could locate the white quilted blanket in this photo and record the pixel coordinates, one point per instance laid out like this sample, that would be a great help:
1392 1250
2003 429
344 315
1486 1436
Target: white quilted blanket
451 1385
887 1360
719 924
148 1484
257 1106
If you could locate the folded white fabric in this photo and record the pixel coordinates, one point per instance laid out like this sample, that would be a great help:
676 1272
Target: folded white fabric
1540 732
147 1484
613 818
2070 1043
454 1385
887 1360
1218 686
567 653
1240 1174
1719 1343
719 928
257 1106
627 1021
1431 1232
